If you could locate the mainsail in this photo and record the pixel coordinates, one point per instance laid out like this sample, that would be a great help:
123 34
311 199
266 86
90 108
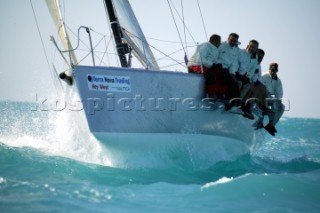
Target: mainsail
54 8
133 34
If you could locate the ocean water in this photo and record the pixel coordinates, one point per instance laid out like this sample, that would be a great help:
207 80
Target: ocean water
49 163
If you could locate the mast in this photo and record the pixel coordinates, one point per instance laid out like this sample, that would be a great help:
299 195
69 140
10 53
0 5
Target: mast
122 48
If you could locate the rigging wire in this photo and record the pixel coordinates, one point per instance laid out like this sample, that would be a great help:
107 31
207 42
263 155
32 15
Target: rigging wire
183 43
103 37
38 28
106 50
77 36
82 42
204 28
167 41
184 28
175 23
184 46
106 45
166 55
58 88
190 34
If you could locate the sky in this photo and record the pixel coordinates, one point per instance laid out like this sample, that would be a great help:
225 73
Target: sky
287 30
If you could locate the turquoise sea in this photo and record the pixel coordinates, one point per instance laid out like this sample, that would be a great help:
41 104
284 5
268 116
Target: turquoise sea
48 164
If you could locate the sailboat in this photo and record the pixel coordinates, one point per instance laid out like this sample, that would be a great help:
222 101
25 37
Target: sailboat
144 109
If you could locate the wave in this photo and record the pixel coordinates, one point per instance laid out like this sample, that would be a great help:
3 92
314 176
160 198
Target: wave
66 134
36 166
61 133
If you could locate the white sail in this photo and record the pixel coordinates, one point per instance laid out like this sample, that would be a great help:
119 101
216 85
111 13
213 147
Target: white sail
54 8
134 35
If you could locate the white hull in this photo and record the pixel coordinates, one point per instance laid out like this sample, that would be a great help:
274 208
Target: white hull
156 109
164 150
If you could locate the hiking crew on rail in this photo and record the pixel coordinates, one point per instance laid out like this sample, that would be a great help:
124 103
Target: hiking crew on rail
233 76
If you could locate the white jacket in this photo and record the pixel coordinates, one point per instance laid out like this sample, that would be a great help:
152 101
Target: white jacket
206 54
257 75
274 87
246 63
228 57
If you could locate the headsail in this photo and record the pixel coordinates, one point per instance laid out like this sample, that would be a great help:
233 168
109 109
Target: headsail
133 34
54 8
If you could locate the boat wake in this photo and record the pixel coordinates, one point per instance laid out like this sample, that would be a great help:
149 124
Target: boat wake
55 133
65 133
